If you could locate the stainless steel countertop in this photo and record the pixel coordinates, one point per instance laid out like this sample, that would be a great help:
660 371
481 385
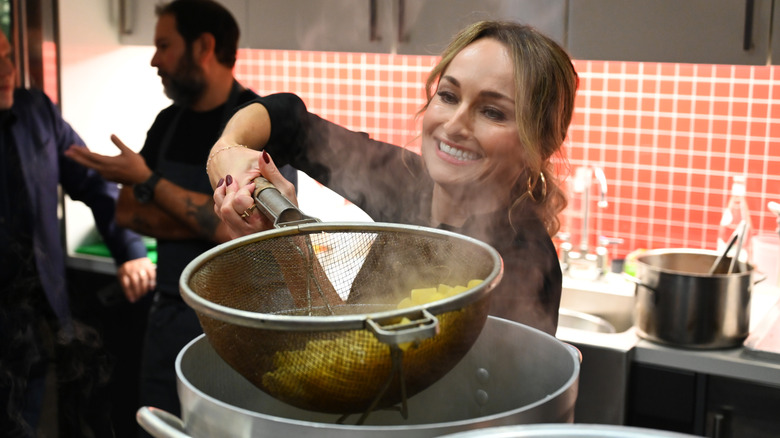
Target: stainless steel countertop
90 263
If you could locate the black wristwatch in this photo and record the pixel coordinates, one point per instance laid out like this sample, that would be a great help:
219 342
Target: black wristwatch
144 192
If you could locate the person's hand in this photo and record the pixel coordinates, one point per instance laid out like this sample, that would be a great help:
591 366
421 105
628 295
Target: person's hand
137 277
126 168
234 198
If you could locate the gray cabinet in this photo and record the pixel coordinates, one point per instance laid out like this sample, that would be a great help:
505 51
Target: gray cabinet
735 408
424 27
421 27
376 26
690 31
701 404
136 19
775 44
322 25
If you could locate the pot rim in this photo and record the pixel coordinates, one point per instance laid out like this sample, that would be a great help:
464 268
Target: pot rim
562 395
692 251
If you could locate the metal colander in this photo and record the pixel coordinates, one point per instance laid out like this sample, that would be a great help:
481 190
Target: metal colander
309 312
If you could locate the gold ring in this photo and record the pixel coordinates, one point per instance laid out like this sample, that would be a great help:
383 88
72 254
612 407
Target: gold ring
248 212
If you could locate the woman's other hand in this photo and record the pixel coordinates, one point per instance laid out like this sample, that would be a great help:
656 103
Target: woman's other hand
234 198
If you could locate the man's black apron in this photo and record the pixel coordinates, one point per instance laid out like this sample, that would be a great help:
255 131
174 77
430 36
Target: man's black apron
172 324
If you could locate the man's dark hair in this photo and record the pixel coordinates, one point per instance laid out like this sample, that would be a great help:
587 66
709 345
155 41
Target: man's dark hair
196 17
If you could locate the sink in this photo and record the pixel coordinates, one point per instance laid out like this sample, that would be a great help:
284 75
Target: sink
610 300
583 321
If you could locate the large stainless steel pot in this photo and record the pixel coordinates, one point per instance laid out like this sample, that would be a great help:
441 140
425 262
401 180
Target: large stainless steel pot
680 304
568 431
513 374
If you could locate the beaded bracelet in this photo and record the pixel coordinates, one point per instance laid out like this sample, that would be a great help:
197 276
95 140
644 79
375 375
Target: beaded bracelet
208 161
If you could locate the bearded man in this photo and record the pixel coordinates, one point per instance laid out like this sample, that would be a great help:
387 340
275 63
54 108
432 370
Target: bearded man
166 193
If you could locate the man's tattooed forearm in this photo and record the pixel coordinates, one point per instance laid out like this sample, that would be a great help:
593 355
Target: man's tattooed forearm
142 226
204 216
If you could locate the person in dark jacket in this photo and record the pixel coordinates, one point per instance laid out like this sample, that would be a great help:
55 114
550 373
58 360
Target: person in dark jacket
34 303
499 105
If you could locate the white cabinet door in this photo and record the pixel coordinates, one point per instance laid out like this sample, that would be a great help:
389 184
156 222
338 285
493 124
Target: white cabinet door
426 26
138 19
690 31
325 25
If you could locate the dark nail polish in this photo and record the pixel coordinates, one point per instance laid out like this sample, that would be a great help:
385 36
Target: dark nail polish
228 180
266 158
221 180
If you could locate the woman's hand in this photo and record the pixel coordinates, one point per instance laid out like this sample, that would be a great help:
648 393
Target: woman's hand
234 198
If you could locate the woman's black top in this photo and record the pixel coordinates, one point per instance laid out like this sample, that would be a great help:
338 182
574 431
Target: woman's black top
390 184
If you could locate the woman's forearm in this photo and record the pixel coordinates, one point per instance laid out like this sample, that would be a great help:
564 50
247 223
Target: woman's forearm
250 126
237 149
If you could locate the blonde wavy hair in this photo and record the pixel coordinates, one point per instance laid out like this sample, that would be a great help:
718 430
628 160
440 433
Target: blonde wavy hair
546 84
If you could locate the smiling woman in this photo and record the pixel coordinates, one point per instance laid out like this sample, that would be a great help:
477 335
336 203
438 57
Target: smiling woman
470 134
499 105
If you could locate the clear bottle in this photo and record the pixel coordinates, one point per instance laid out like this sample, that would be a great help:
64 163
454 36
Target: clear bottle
736 211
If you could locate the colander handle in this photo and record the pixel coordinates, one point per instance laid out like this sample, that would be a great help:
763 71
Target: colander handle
276 206
160 423
422 325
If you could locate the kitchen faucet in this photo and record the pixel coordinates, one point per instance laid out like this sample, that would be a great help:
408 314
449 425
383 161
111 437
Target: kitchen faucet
583 182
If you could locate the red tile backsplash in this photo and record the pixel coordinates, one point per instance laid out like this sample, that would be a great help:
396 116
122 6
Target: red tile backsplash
668 136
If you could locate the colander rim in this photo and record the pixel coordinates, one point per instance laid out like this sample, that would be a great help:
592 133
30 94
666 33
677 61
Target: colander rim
336 322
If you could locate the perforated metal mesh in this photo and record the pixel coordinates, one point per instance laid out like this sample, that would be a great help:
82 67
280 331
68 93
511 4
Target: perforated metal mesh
308 293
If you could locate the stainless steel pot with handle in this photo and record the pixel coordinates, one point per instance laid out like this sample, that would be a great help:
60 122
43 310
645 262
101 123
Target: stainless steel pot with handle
568 431
513 374
679 303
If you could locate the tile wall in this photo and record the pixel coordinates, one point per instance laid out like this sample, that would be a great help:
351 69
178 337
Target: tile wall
668 136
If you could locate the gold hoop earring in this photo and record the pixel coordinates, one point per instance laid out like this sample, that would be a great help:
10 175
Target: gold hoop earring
531 188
